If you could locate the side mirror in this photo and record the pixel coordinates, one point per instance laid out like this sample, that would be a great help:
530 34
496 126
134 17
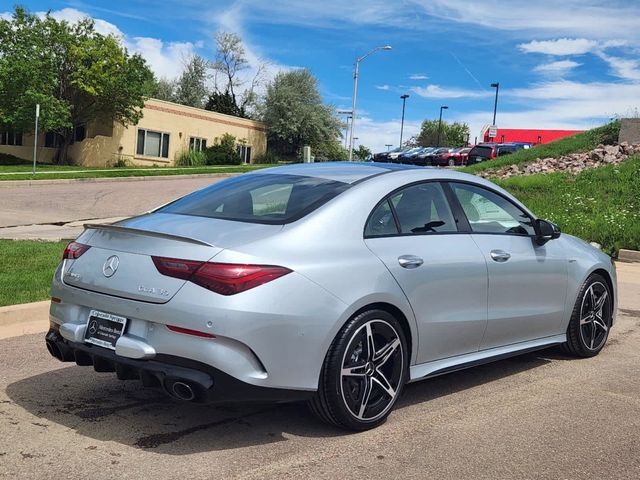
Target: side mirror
545 231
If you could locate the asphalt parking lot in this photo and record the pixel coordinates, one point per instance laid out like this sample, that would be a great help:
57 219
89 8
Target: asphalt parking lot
57 209
541 415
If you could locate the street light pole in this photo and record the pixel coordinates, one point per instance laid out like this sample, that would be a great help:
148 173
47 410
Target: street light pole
495 104
443 107
404 100
388 145
355 94
35 138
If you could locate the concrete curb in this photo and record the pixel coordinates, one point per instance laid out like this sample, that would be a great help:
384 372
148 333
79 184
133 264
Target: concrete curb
24 319
628 255
149 178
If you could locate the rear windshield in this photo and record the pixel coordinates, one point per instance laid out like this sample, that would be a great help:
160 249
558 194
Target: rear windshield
481 151
259 198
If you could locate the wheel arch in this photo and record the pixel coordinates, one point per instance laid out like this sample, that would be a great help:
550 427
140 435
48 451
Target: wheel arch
607 276
398 314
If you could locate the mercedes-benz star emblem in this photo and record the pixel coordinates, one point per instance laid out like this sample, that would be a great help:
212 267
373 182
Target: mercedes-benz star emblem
110 266
93 327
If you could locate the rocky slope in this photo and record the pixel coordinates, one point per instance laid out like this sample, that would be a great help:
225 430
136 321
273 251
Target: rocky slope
574 163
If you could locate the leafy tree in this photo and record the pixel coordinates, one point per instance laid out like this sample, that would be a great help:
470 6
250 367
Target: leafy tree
73 72
362 152
451 134
190 88
223 103
164 89
330 151
295 114
234 93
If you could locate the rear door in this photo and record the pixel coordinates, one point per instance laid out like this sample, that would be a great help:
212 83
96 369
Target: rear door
527 282
441 271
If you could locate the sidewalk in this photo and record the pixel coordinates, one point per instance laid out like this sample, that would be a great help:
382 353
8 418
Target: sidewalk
28 318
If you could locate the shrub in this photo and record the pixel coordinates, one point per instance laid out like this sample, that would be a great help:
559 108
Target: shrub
191 158
121 162
266 157
223 152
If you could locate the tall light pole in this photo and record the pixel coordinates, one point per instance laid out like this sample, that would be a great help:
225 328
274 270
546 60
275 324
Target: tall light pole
495 104
346 128
35 138
443 107
404 100
355 93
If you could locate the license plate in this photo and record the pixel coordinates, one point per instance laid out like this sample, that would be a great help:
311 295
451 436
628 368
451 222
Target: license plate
104 329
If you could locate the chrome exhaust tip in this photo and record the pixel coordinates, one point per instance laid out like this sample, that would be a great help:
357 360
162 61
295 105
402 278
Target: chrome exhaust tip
182 391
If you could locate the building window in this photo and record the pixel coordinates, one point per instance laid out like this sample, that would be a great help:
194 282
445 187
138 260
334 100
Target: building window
197 144
52 140
9 137
244 151
152 144
80 133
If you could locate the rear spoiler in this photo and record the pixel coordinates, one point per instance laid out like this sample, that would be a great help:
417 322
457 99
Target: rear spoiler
146 233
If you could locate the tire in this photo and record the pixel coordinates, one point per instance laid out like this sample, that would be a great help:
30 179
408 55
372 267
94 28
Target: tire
362 398
590 322
451 162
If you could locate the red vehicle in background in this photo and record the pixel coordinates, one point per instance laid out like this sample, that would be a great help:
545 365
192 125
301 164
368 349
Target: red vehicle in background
452 157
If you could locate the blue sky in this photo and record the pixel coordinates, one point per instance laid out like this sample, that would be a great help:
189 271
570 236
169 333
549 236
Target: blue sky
570 64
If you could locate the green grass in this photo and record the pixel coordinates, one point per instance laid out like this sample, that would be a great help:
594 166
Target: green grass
26 269
580 142
600 204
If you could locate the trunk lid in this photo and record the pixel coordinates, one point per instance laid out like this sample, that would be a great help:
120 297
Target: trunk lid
119 262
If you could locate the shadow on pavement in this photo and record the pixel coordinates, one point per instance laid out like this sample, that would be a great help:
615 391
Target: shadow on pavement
100 407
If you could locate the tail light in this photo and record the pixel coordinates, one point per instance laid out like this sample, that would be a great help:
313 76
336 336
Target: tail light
223 278
74 251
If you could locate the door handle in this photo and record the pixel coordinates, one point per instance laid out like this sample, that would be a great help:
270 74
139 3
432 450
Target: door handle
410 261
500 255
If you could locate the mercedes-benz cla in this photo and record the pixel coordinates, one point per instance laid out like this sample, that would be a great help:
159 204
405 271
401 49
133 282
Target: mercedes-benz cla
337 283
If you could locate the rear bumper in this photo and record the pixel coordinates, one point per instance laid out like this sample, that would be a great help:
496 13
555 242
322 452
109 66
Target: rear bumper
208 384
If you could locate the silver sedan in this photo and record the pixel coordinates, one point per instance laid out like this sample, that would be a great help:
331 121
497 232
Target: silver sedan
336 283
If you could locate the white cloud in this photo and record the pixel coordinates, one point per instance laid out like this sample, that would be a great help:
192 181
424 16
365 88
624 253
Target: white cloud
559 68
383 87
165 59
418 76
71 15
5 16
560 46
626 68
436 91
560 105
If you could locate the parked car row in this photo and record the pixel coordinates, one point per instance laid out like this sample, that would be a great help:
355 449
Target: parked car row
446 156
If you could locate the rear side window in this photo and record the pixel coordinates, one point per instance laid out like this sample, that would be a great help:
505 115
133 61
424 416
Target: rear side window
259 198
418 209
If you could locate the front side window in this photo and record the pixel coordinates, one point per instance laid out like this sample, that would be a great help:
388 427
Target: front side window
418 209
488 212
259 198
152 144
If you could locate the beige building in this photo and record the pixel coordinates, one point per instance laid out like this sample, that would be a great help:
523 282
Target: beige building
165 130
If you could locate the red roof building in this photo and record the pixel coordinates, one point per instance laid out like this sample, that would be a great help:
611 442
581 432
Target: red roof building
539 135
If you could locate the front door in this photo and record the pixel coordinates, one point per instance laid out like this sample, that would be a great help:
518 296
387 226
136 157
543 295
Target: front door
441 271
527 282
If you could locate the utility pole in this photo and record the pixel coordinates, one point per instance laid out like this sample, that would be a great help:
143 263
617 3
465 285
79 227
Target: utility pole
495 104
35 138
404 100
443 107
